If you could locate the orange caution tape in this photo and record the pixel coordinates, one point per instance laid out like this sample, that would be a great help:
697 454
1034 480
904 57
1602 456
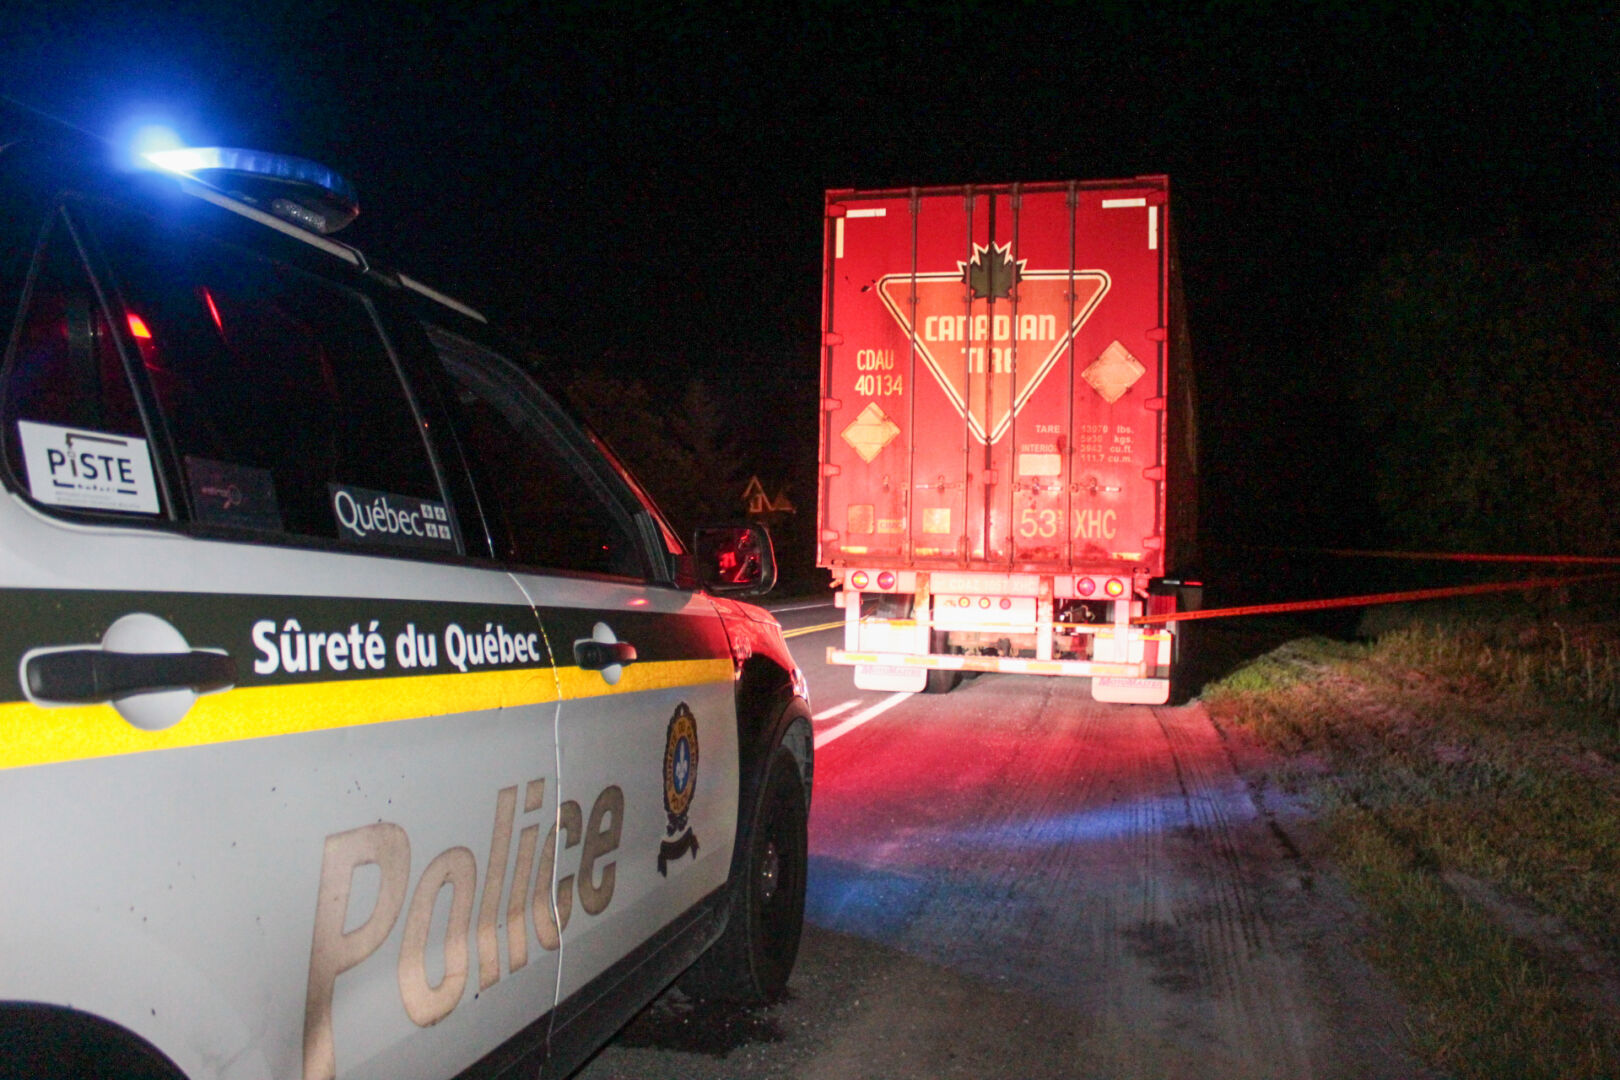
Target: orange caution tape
1370 600
1454 556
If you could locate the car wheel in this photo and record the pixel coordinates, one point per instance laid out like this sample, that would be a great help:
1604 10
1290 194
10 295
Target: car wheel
751 962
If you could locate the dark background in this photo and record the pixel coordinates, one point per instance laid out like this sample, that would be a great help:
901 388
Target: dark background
1397 222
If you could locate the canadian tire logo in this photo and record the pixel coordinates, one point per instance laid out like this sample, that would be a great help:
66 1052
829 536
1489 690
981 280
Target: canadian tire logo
991 330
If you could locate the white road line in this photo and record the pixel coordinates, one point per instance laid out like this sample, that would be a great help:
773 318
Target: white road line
860 718
805 607
828 714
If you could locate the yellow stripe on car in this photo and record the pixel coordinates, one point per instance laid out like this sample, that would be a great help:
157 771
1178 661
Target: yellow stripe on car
34 735
580 683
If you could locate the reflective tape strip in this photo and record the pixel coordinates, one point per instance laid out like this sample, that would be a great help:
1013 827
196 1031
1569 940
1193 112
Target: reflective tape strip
578 683
35 735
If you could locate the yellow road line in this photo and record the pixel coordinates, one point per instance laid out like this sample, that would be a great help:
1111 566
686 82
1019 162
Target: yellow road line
800 631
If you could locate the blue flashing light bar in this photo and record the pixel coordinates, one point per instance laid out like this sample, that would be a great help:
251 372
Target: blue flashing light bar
294 170
304 192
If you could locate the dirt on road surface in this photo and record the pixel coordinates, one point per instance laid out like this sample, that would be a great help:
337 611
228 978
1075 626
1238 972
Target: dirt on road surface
1013 881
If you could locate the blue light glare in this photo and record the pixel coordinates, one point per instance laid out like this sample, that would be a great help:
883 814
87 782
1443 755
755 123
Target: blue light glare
183 159
855 899
1102 824
152 139
142 130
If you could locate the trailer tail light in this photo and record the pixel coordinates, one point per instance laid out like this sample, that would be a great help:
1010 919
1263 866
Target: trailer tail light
1006 604
886 580
1114 588
1085 586
984 601
859 579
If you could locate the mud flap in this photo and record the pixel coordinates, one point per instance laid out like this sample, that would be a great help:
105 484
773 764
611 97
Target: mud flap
891 678
1123 691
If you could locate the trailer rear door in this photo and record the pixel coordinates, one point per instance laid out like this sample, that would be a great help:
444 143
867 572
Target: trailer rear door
993 377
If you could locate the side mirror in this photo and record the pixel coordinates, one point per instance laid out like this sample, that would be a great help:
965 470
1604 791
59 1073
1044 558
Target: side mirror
735 559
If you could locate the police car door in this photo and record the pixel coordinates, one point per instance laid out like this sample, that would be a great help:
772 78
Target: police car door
647 728
268 805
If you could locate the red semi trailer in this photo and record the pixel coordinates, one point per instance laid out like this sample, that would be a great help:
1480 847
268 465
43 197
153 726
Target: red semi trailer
1008 451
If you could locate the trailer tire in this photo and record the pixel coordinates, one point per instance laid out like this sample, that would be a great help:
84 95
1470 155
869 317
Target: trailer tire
941 680
751 962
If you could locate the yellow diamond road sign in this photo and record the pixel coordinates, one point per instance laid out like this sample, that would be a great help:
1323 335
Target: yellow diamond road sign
1114 372
870 432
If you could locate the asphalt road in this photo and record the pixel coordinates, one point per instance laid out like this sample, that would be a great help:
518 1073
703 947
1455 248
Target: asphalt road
1014 881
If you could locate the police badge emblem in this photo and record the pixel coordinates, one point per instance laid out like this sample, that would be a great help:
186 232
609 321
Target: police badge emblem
680 781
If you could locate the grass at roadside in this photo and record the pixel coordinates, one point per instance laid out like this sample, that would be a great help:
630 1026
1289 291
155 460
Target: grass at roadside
1467 779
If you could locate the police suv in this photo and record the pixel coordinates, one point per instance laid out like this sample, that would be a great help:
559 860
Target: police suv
364 717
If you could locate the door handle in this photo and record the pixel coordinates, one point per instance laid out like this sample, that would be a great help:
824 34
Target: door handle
604 652
599 655
90 675
144 667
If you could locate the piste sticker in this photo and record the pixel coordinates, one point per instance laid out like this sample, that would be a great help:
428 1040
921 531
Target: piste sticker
89 470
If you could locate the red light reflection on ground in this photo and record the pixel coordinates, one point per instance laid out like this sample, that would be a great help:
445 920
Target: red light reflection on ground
991 829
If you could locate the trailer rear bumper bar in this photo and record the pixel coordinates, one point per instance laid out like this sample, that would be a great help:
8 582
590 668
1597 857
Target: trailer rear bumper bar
963 662
1125 684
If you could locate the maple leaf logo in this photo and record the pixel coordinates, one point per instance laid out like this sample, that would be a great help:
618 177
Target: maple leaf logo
992 273
990 355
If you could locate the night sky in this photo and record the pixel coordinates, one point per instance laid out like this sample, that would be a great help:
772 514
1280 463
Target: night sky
638 188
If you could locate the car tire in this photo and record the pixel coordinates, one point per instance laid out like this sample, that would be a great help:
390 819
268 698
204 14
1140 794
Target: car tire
41 1042
751 962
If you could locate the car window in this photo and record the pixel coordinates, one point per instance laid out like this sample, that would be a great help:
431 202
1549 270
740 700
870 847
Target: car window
278 390
73 433
549 507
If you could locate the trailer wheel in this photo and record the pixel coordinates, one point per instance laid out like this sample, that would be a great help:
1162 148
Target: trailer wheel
941 680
